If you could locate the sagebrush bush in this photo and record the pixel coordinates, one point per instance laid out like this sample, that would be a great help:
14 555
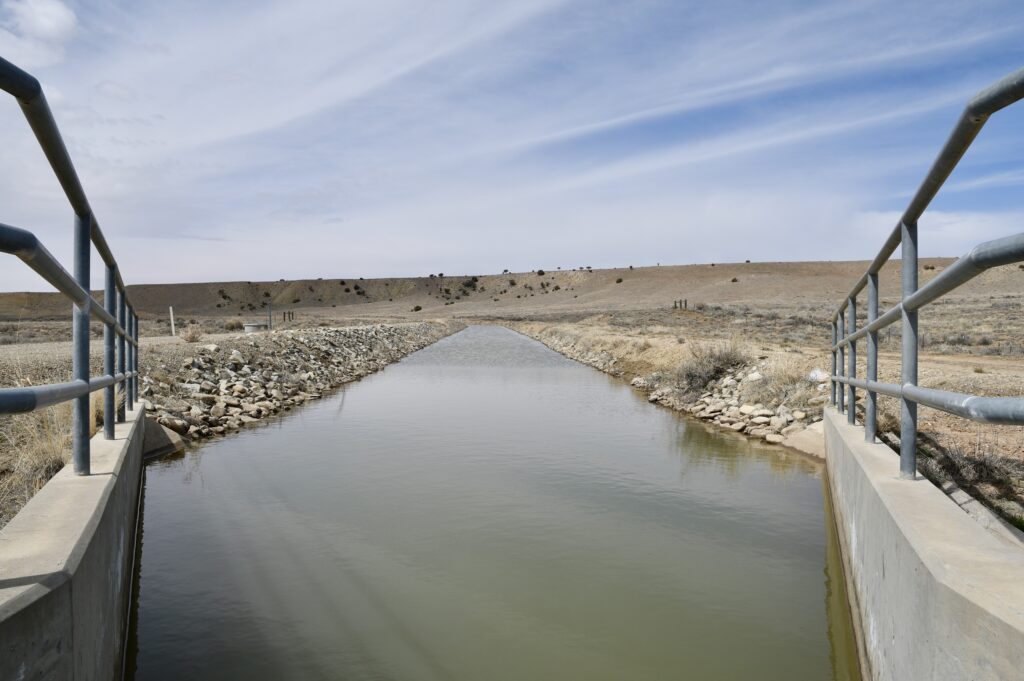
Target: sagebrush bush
233 325
193 333
709 362
782 382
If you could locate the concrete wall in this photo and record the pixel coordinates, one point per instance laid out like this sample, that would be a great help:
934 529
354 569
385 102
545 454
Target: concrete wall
937 594
65 564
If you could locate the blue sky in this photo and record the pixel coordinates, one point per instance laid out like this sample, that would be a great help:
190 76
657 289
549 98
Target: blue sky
258 140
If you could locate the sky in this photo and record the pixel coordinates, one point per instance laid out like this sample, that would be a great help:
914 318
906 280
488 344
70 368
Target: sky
270 139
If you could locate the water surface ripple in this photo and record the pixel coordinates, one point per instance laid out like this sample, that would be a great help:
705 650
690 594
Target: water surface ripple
487 510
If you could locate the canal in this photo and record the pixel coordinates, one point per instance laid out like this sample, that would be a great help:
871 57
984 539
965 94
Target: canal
487 510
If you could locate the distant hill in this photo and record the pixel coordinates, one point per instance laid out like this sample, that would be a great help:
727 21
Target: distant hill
787 285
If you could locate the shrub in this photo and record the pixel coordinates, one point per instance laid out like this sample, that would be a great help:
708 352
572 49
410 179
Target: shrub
734 280
619 280
708 362
785 381
417 308
540 273
193 333
233 325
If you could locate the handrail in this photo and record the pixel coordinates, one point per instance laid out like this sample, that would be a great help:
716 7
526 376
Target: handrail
845 333
119 318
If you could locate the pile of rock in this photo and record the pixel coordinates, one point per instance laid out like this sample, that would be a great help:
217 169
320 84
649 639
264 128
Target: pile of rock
724 405
219 389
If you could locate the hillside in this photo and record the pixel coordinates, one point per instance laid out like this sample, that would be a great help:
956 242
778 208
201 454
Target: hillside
807 285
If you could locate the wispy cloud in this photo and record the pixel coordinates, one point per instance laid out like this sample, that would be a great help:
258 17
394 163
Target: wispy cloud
407 136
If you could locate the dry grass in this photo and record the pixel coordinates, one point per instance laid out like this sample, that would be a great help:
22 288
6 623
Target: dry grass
709 362
34 447
784 381
193 333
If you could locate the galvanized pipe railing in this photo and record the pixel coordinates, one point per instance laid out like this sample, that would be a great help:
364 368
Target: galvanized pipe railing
120 321
845 333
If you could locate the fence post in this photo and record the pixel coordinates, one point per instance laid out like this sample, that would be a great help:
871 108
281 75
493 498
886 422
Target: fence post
840 390
121 304
851 327
908 409
129 396
171 310
80 344
109 401
832 375
871 408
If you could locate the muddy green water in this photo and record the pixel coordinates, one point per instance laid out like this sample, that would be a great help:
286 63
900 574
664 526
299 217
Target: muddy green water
487 510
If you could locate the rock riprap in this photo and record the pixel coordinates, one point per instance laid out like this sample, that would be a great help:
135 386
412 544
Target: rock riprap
223 387
722 401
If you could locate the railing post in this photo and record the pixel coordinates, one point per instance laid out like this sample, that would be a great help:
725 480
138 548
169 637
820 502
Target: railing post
80 347
851 372
841 366
908 409
109 395
832 380
121 304
134 356
871 408
129 395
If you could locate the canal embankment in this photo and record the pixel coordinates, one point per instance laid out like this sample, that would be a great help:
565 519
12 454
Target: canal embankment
208 389
764 395
939 596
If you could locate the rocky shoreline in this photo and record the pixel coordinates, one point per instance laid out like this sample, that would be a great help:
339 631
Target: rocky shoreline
219 388
722 404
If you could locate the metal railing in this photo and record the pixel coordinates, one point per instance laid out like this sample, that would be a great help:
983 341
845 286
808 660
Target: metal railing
846 333
119 317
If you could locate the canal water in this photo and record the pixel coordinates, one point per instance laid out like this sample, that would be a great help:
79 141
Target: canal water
487 510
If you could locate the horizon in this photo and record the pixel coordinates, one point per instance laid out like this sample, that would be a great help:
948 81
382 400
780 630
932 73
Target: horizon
405 138
547 270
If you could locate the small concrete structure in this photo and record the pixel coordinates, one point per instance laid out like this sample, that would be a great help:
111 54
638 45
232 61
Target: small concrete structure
66 567
255 327
937 594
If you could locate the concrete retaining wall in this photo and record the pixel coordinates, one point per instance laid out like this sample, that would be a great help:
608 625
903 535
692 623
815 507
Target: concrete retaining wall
65 564
938 595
